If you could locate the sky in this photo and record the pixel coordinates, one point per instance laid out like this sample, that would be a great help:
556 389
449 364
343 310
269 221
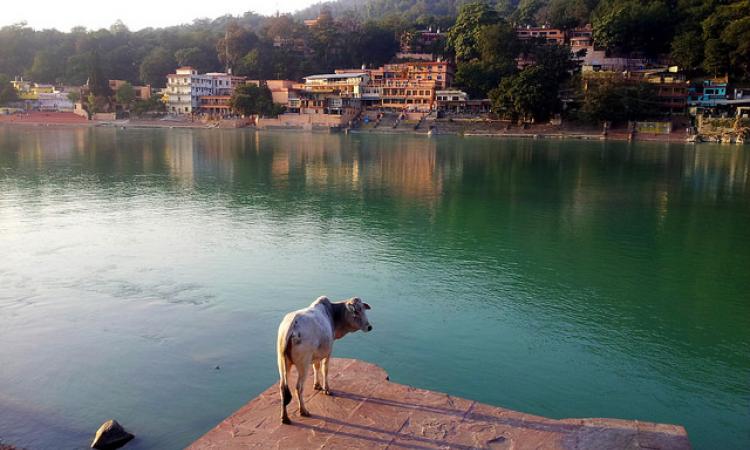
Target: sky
136 14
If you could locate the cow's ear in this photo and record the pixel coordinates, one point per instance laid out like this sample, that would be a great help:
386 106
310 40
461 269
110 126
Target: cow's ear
367 306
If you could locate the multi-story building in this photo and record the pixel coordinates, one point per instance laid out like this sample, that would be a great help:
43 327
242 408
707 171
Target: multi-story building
406 86
549 35
186 86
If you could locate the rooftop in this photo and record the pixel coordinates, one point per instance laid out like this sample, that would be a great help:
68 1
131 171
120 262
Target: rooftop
329 76
368 411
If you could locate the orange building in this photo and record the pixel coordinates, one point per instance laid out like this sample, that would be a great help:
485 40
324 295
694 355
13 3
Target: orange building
141 92
406 86
550 35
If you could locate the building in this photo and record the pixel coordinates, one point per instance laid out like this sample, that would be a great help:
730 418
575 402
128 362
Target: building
408 86
54 101
598 61
186 86
419 45
548 35
671 90
718 96
141 92
671 87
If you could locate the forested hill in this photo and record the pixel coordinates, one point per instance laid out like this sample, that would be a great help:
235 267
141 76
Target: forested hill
701 36
413 10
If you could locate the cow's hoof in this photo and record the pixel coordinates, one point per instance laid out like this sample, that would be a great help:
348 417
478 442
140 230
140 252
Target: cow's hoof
304 413
318 387
286 421
328 392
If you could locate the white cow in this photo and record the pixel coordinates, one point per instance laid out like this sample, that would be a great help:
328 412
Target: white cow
306 336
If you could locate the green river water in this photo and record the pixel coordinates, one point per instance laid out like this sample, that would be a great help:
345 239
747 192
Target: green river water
559 278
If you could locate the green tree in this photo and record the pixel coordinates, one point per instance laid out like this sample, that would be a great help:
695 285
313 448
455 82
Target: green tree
237 41
532 94
97 82
567 14
463 37
252 99
527 11
8 93
498 43
74 96
615 100
716 57
47 67
194 57
77 69
152 105
125 95
633 25
156 66
687 50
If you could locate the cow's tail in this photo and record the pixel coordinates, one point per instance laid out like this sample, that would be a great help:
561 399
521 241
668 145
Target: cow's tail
286 339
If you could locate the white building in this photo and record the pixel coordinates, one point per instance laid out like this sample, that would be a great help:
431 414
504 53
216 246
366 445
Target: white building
55 101
186 86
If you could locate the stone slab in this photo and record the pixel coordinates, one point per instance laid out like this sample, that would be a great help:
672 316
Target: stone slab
368 411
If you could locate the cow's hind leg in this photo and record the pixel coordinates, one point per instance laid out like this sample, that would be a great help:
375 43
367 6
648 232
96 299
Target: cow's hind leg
324 372
286 394
316 376
302 369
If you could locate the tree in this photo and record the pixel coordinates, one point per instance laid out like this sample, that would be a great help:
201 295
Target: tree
252 99
77 69
716 57
96 104
74 96
633 25
616 100
47 67
237 41
687 50
125 95
8 93
98 84
527 11
498 43
156 66
567 14
478 78
464 35
327 42
530 94
193 57
153 104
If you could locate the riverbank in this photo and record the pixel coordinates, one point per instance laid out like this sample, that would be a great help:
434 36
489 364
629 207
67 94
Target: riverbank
485 128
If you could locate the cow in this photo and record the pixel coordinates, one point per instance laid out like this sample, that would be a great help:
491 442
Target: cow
306 336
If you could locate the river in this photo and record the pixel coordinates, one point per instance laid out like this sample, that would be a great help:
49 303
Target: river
143 274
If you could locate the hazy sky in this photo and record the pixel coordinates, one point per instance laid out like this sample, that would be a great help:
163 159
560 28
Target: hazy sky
136 14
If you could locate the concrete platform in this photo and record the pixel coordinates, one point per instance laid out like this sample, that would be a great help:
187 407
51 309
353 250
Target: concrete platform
368 411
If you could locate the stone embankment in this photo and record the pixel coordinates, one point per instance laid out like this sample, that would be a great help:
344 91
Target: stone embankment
368 411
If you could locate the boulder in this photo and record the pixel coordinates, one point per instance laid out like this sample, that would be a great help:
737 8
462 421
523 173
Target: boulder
110 435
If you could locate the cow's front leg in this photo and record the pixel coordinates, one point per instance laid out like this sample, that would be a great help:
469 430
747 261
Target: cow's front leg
316 376
324 370
301 376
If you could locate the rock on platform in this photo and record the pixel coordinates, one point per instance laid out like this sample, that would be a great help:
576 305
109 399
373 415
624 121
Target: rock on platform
368 411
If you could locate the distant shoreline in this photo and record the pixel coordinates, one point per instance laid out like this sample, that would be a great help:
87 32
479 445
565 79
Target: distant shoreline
530 133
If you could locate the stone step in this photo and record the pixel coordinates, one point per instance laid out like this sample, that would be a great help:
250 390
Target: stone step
368 411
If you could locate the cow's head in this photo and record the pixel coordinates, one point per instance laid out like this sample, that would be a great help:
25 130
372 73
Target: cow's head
356 317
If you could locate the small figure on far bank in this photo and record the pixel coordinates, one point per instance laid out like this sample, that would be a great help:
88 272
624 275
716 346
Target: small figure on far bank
306 336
